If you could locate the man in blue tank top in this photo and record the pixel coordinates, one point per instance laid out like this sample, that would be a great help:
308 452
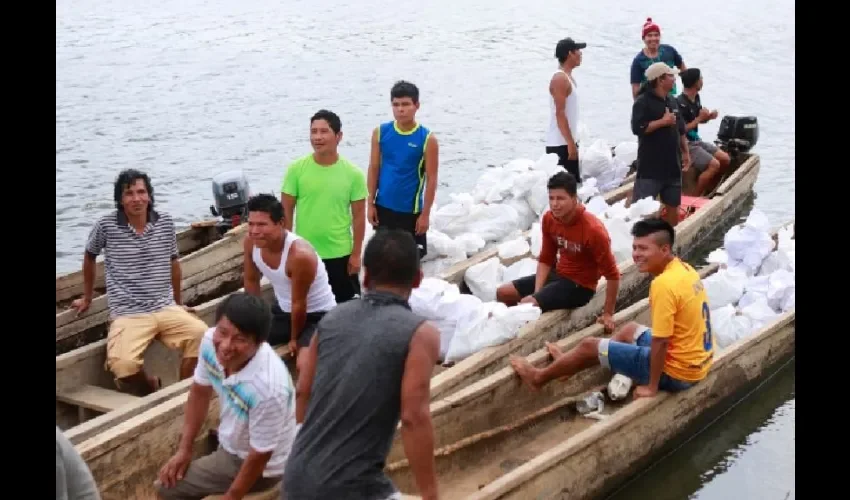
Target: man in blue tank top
403 169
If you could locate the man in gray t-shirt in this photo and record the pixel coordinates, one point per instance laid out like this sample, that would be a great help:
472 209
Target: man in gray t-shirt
73 477
368 366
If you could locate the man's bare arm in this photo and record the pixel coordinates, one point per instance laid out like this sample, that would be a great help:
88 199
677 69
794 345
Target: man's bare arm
251 274
417 431
177 281
432 166
250 471
89 274
374 166
305 379
302 270
288 203
197 407
358 225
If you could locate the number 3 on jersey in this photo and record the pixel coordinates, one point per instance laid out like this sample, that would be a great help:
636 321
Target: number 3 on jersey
707 336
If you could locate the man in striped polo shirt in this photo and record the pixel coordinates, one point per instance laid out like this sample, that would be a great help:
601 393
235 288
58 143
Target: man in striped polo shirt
256 404
143 285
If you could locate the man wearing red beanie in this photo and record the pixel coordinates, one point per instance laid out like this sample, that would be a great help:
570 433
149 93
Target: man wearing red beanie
653 52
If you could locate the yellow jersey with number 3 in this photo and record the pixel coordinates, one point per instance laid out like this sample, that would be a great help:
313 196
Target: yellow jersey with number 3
681 313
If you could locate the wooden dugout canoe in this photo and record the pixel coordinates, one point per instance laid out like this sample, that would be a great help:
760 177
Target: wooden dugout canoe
211 266
498 439
722 205
152 431
88 402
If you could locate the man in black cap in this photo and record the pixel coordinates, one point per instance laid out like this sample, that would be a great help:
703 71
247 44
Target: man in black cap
562 135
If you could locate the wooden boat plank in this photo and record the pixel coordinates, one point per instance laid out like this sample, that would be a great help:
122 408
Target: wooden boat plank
609 449
96 398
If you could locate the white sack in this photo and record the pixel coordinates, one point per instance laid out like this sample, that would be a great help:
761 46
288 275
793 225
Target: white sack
519 269
780 283
513 248
483 278
471 242
626 151
759 312
728 327
596 159
643 207
536 239
494 324
724 287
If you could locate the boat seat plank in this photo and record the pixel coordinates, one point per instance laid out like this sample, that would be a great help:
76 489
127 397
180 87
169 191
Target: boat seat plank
96 398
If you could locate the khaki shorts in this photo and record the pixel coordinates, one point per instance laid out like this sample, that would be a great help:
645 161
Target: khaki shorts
211 475
130 336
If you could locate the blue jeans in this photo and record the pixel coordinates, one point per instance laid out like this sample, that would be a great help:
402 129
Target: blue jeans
632 360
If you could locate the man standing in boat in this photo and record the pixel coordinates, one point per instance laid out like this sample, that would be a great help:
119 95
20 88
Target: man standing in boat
708 159
143 285
576 252
662 146
654 51
293 268
672 355
562 136
329 194
403 164
370 365
256 408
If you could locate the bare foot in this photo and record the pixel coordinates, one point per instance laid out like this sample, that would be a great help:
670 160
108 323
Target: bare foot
553 350
525 371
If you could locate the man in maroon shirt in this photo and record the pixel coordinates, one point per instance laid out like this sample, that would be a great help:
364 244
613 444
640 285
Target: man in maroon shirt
576 252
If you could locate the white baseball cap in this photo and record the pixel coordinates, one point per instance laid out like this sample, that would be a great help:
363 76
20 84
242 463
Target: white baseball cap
659 69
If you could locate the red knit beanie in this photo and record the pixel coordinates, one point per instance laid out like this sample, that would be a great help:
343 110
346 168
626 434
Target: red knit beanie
649 27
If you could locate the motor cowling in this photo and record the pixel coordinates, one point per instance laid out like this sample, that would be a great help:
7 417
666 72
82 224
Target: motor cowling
231 193
738 134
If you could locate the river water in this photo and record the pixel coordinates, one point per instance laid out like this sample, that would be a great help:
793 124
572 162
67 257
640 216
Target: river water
184 90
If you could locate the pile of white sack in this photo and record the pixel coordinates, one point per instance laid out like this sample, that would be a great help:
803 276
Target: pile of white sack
466 323
483 278
756 282
506 201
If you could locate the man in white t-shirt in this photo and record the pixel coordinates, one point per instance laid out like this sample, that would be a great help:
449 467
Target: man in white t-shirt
257 401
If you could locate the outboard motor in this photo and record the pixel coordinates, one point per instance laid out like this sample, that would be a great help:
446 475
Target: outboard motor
230 192
737 134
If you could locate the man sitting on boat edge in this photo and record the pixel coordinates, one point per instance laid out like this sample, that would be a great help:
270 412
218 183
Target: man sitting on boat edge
576 251
143 285
672 355
256 406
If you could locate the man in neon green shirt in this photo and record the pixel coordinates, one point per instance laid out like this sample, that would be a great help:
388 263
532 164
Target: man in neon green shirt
330 195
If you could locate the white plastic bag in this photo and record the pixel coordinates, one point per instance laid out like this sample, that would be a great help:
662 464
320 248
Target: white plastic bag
536 239
776 260
617 211
643 207
587 190
779 284
728 327
525 215
788 302
513 248
626 151
759 313
538 197
520 269
718 256
597 206
483 278
748 246
724 287
471 242
454 309
621 239
596 159
473 332
425 299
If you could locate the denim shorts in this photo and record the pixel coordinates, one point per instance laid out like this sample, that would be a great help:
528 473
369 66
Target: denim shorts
632 360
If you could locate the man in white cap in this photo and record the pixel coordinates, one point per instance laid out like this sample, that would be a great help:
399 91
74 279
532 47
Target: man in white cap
662 143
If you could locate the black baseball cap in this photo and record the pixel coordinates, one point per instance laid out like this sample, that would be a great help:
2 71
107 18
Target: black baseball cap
566 46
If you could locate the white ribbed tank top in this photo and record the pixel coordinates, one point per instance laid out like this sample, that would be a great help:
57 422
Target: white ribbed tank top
553 135
320 296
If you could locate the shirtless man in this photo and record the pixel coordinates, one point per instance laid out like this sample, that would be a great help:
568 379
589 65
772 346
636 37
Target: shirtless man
294 270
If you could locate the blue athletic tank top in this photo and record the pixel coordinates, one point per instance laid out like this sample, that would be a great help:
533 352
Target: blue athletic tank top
401 182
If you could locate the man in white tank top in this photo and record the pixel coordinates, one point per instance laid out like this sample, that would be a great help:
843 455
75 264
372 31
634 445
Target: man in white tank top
295 271
562 135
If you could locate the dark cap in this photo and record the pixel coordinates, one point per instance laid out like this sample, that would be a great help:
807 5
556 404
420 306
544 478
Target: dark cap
566 46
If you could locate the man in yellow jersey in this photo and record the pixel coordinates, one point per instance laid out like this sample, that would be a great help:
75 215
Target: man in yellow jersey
674 354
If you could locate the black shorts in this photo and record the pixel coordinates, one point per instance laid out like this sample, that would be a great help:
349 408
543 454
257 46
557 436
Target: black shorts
281 330
570 166
390 219
345 286
669 192
557 293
